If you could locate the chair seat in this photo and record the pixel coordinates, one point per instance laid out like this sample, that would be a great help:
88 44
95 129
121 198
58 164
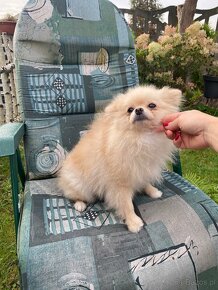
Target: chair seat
60 248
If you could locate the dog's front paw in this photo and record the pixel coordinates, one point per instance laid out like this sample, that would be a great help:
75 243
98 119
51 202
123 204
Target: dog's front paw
152 191
156 194
80 205
134 224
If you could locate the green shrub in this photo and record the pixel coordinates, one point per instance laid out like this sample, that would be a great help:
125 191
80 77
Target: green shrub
176 60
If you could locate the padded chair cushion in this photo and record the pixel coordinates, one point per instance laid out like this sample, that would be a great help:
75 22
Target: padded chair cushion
60 248
71 58
48 140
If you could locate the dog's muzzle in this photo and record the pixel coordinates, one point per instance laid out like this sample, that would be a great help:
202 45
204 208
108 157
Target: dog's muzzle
139 115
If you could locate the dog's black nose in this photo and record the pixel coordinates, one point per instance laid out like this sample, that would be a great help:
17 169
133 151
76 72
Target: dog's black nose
139 111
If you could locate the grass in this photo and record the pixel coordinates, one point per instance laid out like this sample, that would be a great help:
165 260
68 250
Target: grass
200 167
8 260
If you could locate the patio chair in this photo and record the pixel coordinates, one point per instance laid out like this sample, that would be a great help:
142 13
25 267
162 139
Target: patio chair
71 57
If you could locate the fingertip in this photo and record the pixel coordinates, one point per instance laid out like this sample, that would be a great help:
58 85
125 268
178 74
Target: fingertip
177 140
170 120
169 134
177 135
165 124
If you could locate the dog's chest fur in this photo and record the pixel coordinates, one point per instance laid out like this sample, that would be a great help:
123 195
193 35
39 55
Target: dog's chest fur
145 157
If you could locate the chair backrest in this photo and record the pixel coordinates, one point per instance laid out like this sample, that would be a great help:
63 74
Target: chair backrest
71 57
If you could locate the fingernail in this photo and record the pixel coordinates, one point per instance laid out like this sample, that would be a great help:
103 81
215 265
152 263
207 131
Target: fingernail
165 124
177 136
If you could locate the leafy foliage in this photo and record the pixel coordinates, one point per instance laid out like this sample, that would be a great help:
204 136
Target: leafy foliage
210 32
206 109
176 60
147 5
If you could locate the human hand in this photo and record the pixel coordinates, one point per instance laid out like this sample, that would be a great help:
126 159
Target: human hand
191 129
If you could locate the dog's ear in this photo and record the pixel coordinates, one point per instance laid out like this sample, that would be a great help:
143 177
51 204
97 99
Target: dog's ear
110 108
114 105
171 96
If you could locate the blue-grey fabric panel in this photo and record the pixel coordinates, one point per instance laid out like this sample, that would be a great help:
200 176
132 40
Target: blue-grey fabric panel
176 249
76 9
45 31
205 207
64 63
54 90
69 264
75 89
151 269
120 78
44 148
48 140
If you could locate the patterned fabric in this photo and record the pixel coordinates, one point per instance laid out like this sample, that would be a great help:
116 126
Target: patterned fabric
47 141
72 56
65 249
53 88
60 217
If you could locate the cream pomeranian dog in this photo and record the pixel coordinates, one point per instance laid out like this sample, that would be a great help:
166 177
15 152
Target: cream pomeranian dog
122 152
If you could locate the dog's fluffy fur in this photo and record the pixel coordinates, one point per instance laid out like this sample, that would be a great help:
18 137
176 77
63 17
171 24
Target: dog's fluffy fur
122 152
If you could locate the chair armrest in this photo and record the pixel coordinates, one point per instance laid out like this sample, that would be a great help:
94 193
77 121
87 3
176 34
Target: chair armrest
10 137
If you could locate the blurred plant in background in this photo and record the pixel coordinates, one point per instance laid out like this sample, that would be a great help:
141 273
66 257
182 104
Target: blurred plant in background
177 60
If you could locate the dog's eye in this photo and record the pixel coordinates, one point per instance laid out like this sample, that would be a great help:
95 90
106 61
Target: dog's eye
152 106
130 109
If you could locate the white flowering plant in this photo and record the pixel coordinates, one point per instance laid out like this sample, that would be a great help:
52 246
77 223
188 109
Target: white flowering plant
177 60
